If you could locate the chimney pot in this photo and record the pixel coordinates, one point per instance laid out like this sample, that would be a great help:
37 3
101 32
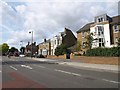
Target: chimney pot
44 40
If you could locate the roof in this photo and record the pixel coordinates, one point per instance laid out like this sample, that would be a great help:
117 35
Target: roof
115 20
47 41
85 28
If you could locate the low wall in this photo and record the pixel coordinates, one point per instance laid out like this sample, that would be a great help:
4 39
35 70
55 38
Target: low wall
90 59
98 60
56 57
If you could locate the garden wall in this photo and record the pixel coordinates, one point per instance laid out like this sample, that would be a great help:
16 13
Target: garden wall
90 59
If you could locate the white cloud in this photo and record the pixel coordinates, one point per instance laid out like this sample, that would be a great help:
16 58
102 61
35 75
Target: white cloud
21 8
47 18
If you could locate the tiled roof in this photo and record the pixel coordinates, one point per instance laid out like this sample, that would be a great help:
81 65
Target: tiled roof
115 20
85 28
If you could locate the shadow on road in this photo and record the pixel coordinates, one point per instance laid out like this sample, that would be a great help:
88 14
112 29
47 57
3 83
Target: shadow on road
27 62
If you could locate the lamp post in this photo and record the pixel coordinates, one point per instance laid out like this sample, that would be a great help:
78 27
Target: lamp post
21 43
21 46
31 43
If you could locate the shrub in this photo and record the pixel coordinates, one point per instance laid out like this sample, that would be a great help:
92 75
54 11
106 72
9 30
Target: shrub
61 50
77 54
114 51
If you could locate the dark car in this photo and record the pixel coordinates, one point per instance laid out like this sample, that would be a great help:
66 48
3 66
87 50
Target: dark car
40 56
16 54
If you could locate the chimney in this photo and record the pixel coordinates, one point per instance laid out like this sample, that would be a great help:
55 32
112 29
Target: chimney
34 43
28 43
44 40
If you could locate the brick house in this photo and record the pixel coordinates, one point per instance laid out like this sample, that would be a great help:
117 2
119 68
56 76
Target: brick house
31 49
105 31
67 38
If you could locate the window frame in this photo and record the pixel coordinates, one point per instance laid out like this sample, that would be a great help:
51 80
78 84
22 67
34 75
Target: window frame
100 30
83 34
101 42
116 30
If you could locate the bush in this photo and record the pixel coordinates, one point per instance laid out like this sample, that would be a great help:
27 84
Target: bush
77 54
114 51
61 50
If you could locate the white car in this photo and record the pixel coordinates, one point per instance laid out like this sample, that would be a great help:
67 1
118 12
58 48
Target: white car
22 55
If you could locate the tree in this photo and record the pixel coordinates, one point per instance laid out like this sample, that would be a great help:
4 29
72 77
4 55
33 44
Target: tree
4 48
22 49
61 50
0 49
88 43
118 44
78 46
13 49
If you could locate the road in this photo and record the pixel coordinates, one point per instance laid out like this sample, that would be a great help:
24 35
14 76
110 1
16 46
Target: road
28 73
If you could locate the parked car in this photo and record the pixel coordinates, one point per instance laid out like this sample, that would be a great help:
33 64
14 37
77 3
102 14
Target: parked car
22 55
16 54
40 56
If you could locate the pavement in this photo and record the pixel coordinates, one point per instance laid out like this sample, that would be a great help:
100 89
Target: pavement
79 64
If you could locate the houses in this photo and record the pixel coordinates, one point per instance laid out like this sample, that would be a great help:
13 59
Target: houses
105 31
67 38
44 48
31 49
48 46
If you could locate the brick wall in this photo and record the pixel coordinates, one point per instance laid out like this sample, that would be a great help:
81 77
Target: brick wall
85 59
97 60
56 57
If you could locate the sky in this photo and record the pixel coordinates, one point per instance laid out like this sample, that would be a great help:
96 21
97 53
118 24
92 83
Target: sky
46 18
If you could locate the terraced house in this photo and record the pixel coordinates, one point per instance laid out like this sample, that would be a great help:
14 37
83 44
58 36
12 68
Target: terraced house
105 31
48 46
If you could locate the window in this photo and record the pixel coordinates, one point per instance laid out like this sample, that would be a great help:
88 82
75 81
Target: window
100 19
83 43
101 42
82 34
100 30
58 42
115 28
55 41
116 39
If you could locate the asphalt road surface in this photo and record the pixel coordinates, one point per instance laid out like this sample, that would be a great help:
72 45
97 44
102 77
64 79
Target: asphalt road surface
27 73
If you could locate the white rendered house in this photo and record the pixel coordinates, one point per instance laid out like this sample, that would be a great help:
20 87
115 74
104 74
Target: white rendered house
105 31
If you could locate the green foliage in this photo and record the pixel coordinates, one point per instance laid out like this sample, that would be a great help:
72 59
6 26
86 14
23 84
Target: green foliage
118 42
4 48
13 49
22 49
78 46
114 51
61 50
77 54
88 44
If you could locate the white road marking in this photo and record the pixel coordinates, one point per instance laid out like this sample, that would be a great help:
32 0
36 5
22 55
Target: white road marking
111 81
26 66
40 66
75 74
13 67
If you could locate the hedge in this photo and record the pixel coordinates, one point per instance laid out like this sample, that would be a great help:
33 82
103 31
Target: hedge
114 51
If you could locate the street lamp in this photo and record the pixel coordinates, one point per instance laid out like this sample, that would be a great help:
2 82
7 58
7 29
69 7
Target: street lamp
21 46
31 43
21 43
